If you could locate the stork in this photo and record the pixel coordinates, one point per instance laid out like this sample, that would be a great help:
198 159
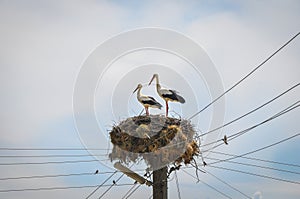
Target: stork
167 94
147 101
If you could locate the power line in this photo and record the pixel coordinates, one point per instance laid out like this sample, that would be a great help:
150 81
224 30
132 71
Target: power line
134 190
256 159
113 184
50 162
255 174
260 149
57 175
177 185
252 111
129 191
232 187
51 149
59 188
53 176
101 185
210 186
52 156
258 166
241 80
286 110
235 135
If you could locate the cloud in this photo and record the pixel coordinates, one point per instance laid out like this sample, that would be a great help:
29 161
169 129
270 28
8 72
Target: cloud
42 53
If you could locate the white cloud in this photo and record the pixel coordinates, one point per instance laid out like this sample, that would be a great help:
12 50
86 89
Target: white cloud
42 53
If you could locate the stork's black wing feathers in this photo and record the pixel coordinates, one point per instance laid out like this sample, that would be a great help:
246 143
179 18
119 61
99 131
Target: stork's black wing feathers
174 96
152 102
152 98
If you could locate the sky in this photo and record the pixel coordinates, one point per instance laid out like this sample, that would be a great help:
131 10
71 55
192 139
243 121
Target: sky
45 45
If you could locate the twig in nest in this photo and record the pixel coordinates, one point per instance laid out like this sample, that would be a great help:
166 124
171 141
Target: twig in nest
174 168
204 163
197 169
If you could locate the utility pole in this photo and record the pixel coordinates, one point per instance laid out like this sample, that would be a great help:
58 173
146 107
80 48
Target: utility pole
160 183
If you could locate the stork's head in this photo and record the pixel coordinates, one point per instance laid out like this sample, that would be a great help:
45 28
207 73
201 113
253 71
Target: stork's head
138 87
154 76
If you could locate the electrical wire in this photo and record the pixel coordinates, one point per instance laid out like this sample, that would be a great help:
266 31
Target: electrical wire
232 187
235 135
255 174
129 191
257 150
210 186
256 159
58 188
51 149
53 176
101 185
177 185
241 80
134 190
258 166
52 156
50 162
113 184
57 175
250 112
286 110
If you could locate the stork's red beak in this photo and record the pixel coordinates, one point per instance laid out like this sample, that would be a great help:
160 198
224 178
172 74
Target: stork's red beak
151 80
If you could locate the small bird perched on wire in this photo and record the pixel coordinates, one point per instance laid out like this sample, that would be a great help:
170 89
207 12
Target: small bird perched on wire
146 101
96 172
167 94
225 140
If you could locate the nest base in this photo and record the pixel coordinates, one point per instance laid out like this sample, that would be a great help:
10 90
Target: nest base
157 139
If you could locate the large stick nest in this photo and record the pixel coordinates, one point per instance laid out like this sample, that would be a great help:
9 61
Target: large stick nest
156 139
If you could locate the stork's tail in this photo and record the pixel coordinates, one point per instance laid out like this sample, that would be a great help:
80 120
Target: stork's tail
180 99
158 105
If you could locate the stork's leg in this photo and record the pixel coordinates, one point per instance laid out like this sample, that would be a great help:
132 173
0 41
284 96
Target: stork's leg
167 108
147 112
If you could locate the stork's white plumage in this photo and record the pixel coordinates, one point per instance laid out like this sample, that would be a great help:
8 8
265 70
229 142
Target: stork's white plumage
167 94
147 101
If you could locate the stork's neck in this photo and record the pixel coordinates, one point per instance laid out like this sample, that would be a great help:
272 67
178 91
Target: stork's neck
158 87
157 83
139 92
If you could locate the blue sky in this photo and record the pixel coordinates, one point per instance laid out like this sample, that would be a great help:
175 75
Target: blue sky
45 43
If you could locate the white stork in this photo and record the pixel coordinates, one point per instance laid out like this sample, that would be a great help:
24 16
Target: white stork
167 94
147 101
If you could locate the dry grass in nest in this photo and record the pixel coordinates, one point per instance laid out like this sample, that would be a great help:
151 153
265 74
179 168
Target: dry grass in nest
170 139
